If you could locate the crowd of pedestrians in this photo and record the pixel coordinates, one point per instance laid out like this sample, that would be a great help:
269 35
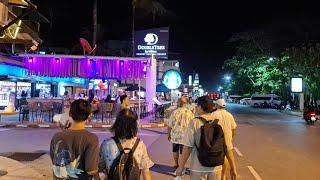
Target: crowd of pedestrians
200 131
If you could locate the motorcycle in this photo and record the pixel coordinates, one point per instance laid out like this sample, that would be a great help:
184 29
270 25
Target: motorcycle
310 116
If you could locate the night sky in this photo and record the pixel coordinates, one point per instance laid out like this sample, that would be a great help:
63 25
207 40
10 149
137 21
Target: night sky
198 30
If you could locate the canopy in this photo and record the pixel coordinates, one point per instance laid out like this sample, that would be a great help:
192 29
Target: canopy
162 88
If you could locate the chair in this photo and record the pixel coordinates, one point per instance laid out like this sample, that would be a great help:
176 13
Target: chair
108 108
37 109
48 108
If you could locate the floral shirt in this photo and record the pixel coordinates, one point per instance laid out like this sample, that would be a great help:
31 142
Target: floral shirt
178 122
109 152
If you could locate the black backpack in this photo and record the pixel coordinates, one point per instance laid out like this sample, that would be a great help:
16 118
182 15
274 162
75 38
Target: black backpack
212 148
125 166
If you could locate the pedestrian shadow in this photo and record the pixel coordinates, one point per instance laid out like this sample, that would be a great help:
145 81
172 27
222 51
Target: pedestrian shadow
163 169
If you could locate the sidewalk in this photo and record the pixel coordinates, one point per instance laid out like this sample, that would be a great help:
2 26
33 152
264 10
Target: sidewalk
16 170
13 122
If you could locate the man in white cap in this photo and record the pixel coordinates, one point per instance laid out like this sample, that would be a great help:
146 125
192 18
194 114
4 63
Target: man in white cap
229 123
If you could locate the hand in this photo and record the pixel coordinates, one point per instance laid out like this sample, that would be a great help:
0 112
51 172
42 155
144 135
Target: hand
169 138
233 174
179 171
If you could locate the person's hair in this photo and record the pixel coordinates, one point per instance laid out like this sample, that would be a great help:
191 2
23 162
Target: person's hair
122 98
205 103
182 101
80 110
126 125
108 99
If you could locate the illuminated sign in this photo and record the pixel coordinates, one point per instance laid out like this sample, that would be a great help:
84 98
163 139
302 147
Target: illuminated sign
152 42
172 79
296 85
190 80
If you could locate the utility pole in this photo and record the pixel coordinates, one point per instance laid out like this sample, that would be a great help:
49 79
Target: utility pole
94 13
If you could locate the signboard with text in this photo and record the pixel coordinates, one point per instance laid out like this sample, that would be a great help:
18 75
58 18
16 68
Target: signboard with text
152 42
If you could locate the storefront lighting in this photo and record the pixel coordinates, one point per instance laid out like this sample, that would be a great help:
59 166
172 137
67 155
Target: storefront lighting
17 30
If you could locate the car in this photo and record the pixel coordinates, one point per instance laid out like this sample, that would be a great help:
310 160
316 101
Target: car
245 101
234 99
270 100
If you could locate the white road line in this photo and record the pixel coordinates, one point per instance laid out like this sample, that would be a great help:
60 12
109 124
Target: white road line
254 173
238 152
4 130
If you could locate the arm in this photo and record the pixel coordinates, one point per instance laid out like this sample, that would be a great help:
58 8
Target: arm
146 174
233 132
169 133
182 161
232 163
92 158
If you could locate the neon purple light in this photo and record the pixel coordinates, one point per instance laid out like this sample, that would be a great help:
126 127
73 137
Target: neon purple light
112 68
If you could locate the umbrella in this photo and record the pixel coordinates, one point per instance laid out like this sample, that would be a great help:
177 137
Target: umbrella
135 88
162 88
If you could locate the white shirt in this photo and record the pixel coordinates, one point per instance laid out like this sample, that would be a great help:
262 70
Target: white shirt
192 136
227 122
109 152
178 122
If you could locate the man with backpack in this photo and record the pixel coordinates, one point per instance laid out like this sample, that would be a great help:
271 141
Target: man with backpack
229 122
205 142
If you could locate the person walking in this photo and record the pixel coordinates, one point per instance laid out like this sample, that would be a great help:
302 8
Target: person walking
125 145
125 103
74 152
177 125
229 122
191 106
193 145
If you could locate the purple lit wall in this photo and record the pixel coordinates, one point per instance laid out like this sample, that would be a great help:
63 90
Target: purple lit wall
110 68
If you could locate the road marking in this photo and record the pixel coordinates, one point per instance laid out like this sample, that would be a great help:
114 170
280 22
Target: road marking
4 130
238 152
254 173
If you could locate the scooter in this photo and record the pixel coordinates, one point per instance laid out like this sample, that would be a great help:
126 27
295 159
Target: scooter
310 117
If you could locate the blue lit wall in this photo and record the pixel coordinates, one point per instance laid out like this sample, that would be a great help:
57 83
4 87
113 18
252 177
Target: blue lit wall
7 70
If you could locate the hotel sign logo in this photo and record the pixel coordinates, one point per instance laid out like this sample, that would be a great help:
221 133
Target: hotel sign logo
152 42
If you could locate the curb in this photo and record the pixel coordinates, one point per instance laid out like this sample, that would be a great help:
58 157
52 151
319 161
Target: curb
292 113
89 126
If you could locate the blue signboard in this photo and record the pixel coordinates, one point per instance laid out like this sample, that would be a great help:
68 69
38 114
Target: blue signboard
152 42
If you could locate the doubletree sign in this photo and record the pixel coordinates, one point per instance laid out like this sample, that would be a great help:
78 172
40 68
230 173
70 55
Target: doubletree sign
152 42
172 79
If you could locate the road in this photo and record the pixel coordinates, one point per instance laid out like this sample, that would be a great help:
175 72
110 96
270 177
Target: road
269 145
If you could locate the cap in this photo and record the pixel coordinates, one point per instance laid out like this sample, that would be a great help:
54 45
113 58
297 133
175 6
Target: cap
221 103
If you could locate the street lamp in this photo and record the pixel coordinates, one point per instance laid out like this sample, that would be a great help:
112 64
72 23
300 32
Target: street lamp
227 77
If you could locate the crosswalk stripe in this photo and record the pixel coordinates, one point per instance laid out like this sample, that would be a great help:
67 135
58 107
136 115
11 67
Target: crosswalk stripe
238 152
254 173
4 130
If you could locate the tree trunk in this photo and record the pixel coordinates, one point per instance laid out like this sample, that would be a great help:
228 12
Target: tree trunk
94 37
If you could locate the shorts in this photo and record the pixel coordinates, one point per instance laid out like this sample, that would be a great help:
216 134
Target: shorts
216 175
177 147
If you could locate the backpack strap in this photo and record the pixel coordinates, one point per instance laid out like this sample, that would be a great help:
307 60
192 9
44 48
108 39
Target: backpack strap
135 145
118 143
202 119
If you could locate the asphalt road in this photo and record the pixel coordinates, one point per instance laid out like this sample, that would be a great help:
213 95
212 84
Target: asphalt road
269 145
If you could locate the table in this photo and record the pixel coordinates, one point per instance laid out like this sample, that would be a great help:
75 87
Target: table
4 113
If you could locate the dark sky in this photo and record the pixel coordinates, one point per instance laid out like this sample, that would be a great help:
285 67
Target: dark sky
198 30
